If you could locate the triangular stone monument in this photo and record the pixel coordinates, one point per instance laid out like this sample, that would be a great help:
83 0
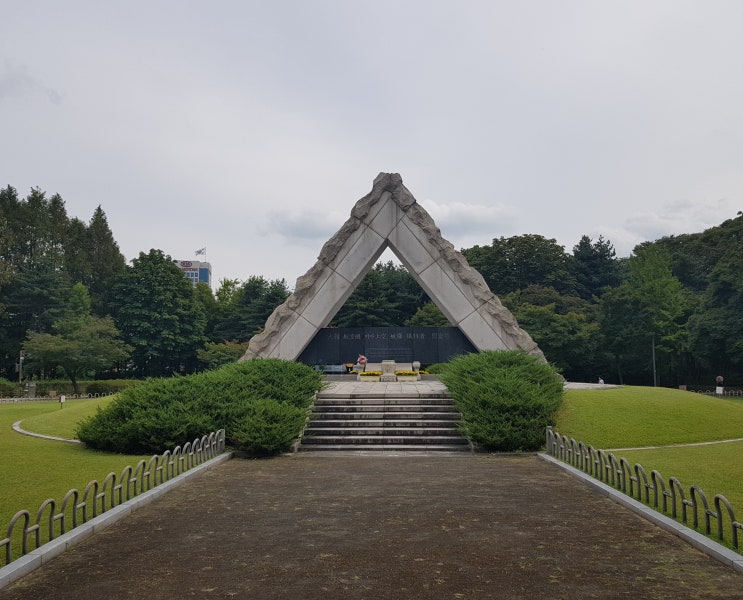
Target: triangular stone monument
389 216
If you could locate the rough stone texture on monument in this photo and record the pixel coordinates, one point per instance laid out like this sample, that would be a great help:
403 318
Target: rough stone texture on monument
389 216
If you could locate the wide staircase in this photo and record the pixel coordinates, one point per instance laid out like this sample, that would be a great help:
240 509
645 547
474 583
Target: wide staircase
379 421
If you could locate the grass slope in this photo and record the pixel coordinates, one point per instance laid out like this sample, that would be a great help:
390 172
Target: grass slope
645 416
33 469
631 416
717 469
63 422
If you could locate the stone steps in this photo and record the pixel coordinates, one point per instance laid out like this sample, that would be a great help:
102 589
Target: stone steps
376 422
381 401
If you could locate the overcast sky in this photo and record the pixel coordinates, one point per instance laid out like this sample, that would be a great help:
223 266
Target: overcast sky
252 127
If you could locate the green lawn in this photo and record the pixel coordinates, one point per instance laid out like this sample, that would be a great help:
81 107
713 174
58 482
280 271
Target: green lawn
717 469
644 416
32 469
62 419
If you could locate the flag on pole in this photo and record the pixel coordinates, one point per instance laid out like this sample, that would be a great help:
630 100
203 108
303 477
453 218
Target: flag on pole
200 251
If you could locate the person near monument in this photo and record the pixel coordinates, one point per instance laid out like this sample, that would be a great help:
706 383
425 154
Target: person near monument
719 390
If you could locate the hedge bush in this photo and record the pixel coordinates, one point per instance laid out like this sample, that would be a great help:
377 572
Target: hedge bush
268 427
506 398
8 389
241 398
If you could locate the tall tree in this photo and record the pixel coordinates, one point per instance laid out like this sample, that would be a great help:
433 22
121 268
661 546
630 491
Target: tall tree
81 344
246 311
106 261
388 296
515 263
595 267
645 316
565 327
428 315
717 327
158 315
76 252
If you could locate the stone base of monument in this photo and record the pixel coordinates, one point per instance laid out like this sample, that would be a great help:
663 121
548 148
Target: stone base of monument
408 378
388 371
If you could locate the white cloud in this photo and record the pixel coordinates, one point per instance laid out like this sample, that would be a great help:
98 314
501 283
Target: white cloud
302 225
466 224
17 83
254 128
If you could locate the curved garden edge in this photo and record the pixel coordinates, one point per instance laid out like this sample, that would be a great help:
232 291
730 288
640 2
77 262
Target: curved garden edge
18 429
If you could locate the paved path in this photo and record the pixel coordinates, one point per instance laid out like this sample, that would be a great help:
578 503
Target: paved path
383 525
316 526
398 389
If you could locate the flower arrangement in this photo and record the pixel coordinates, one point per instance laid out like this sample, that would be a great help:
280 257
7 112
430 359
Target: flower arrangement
371 374
406 373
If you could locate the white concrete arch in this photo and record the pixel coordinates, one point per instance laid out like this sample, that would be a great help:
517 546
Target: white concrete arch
389 216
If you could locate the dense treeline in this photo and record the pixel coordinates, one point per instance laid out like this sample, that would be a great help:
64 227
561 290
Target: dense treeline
670 313
70 305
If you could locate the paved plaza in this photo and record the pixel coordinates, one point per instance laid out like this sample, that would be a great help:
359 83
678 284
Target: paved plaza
324 526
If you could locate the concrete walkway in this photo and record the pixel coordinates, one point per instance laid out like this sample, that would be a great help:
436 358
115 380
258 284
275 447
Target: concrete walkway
390 525
398 389
317 527
401 389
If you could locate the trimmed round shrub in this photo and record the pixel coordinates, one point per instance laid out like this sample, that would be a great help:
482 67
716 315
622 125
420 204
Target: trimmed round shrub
268 427
506 398
163 413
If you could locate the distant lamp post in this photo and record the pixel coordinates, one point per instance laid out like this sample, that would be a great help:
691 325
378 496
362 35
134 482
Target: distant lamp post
20 367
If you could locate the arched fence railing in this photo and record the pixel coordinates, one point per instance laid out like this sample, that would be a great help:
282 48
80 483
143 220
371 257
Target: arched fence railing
19 399
668 497
53 519
727 392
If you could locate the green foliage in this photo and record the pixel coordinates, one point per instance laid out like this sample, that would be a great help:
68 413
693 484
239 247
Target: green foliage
159 316
595 267
428 315
717 327
437 368
42 253
215 355
514 263
507 398
649 309
163 412
388 296
245 310
565 328
268 427
83 344
8 389
695 318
